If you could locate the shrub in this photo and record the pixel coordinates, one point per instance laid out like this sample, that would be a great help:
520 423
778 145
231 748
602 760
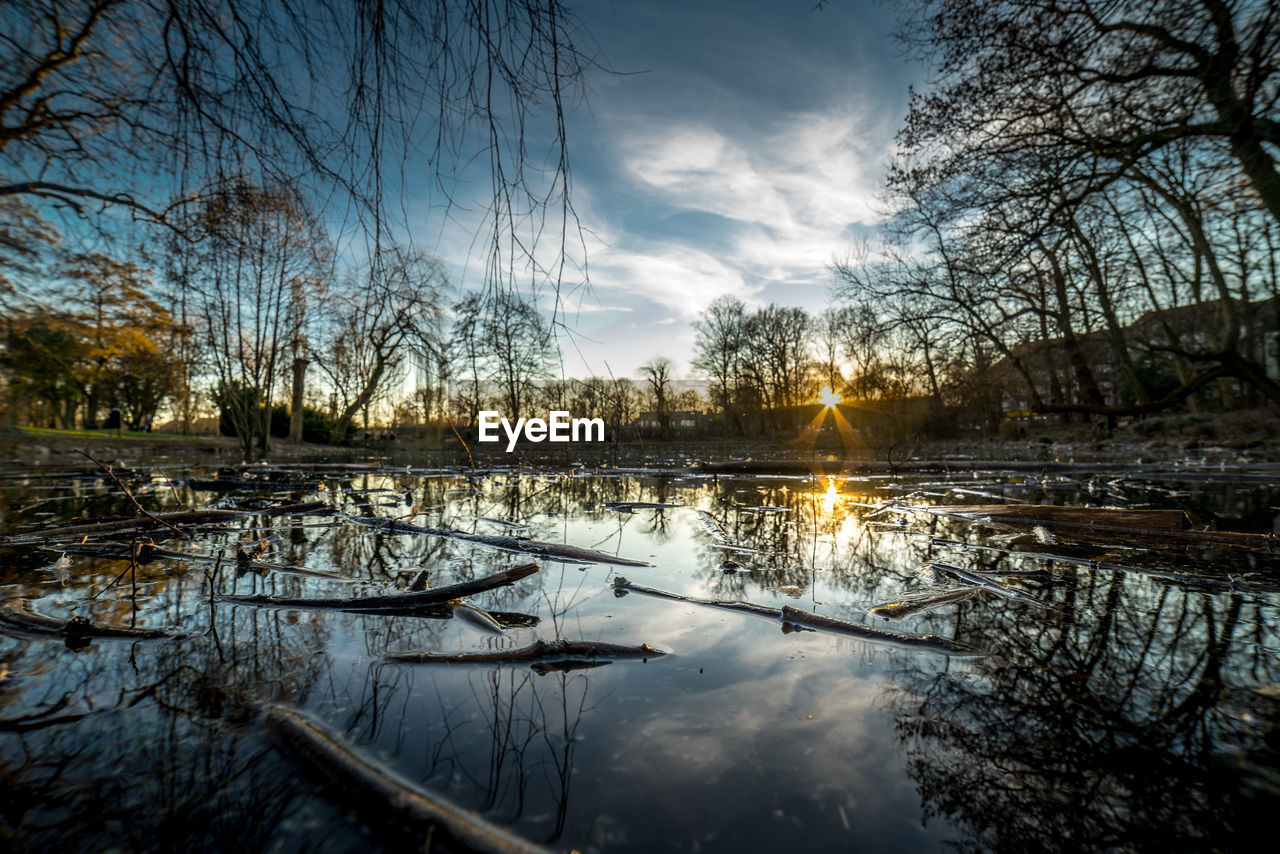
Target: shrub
316 425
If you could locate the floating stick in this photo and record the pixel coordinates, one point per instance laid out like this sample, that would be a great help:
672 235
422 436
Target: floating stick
831 624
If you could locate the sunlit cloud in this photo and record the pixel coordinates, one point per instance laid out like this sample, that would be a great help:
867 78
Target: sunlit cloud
795 189
680 279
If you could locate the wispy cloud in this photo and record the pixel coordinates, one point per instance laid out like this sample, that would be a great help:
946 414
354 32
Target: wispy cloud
796 187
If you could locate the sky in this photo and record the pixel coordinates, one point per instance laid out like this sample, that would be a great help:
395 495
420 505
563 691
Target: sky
740 149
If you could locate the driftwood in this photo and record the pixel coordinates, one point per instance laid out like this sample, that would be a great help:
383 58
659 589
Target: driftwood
622 586
16 615
180 518
476 616
380 795
517 545
930 642
914 605
538 651
1154 527
391 601
794 617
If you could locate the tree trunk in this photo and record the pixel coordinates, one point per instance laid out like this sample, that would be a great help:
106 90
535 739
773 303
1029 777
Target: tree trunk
1115 333
295 403
348 415
1075 355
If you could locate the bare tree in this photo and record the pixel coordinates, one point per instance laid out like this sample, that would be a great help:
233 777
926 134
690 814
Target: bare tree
257 250
376 325
658 373
1096 86
518 342
143 105
720 331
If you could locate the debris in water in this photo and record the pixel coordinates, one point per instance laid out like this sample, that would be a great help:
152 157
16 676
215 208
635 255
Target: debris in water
549 551
391 601
538 651
916 604
930 642
16 615
384 798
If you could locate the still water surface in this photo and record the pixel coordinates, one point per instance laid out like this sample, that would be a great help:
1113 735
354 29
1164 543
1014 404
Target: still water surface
1136 705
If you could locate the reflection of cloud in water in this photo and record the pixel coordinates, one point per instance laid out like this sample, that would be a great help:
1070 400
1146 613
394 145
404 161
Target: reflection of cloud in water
1131 686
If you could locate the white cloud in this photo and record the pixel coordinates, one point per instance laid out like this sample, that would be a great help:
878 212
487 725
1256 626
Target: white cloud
796 186
683 280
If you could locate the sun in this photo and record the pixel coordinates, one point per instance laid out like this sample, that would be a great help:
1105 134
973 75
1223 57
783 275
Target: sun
828 398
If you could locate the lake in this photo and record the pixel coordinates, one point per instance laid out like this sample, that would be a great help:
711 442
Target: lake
1125 693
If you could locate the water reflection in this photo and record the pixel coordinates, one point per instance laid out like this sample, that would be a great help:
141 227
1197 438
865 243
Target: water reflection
1135 708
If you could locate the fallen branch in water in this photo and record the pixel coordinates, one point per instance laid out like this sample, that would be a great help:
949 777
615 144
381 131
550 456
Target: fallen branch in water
548 551
182 517
906 607
380 794
793 617
931 642
433 596
622 586
630 506
118 482
201 484
16 615
558 650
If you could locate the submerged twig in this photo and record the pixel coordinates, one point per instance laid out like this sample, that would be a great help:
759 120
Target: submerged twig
796 617
144 511
985 583
120 526
622 586
117 551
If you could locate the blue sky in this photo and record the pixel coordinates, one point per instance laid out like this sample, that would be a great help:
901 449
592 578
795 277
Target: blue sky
740 151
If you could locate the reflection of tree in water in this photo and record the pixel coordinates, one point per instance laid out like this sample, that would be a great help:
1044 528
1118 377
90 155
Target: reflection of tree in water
1102 725
147 750
501 742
